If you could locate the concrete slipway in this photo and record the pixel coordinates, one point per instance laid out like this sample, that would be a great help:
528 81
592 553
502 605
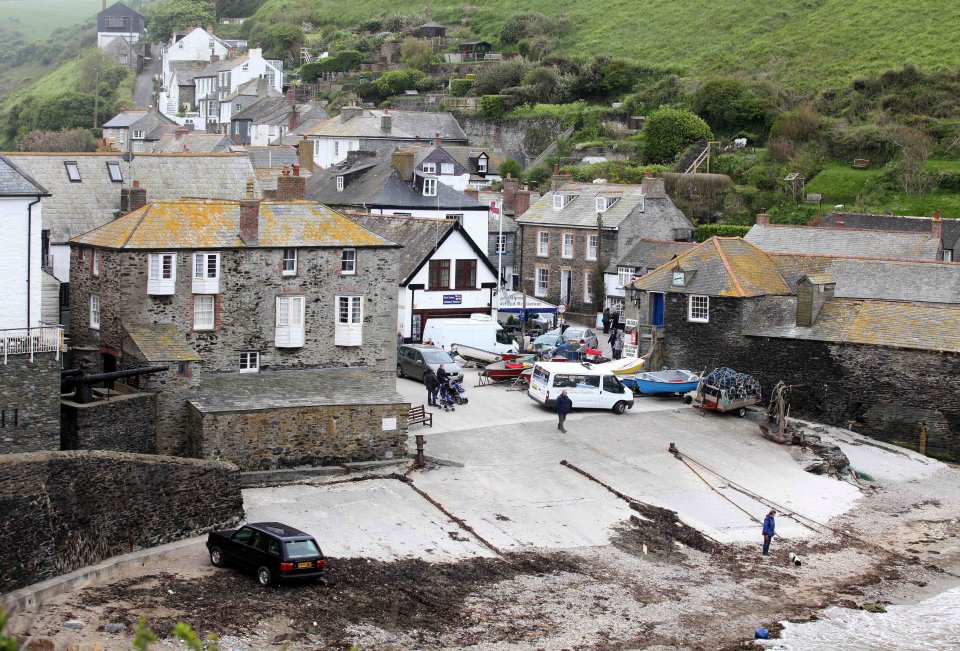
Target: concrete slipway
516 495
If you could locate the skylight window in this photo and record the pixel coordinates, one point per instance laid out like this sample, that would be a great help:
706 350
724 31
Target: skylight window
116 175
73 172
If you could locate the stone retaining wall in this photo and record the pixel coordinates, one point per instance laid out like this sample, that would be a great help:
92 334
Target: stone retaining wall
124 423
30 402
60 511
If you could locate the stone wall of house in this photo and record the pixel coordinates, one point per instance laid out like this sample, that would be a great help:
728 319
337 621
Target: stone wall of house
555 263
521 139
887 393
124 423
65 510
297 436
30 403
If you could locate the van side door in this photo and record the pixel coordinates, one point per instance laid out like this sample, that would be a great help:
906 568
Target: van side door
612 390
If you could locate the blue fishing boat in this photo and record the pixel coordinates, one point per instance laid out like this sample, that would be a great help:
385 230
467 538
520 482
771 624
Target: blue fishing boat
662 382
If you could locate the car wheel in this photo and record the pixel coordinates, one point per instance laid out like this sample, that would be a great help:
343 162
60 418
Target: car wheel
741 412
620 407
400 371
264 576
216 557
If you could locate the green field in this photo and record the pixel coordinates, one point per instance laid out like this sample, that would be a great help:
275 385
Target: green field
805 45
37 19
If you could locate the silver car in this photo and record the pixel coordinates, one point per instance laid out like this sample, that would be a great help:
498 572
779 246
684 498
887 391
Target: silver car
581 336
413 360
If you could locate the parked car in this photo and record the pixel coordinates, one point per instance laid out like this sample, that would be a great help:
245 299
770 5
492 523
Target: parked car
580 335
413 360
275 552
547 341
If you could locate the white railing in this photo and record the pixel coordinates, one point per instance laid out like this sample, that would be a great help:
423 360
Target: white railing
27 341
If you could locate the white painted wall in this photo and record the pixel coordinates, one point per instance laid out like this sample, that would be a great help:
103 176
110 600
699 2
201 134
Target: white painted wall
474 221
453 249
61 261
330 151
13 263
195 46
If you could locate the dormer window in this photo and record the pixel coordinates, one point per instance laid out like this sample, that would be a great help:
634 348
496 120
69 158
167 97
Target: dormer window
605 203
429 168
560 201
73 172
340 183
482 165
429 187
137 134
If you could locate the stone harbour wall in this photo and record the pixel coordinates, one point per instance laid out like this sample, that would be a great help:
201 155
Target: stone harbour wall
895 395
299 436
30 403
60 511
124 423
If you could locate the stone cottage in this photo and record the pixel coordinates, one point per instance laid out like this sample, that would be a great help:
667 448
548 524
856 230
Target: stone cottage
870 344
275 321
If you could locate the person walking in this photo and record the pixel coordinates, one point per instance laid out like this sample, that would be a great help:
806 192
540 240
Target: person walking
617 346
399 340
563 408
432 385
606 320
769 527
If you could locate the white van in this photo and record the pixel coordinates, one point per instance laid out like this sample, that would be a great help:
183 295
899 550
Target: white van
587 386
479 331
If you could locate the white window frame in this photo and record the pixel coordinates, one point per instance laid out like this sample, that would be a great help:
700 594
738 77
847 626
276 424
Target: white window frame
249 361
947 255
348 262
698 308
138 134
340 183
501 247
429 187
94 312
203 264
290 319
541 273
543 244
162 274
204 312
566 246
348 319
429 168
560 200
482 165
446 169
625 275
336 148
593 242
288 262
96 262
587 296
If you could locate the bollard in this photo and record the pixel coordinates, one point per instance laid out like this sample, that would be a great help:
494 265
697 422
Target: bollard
420 461
673 449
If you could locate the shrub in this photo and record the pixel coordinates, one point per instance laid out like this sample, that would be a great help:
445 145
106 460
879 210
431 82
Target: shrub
512 168
729 105
342 61
669 131
493 78
281 39
522 25
460 87
799 125
416 53
492 106
396 82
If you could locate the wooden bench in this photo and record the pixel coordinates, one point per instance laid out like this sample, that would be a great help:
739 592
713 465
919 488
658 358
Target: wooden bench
419 414
861 163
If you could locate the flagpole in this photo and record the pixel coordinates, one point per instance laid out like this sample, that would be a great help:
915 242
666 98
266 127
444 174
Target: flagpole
499 257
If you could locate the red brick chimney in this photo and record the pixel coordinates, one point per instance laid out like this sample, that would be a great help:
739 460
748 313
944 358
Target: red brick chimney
132 198
510 188
180 133
936 229
559 179
250 220
763 219
522 203
291 188
839 223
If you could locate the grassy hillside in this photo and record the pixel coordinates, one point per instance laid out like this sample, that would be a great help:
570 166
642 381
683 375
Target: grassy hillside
37 19
805 45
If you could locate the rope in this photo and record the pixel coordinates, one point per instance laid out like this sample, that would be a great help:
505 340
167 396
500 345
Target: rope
717 490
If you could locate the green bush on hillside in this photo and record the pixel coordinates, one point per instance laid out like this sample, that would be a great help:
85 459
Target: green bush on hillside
179 15
731 105
669 131
523 25
460 87
342 61
396 82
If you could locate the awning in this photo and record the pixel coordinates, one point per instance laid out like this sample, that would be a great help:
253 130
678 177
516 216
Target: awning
513 303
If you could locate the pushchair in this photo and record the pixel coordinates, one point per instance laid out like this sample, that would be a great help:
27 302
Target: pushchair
446 397
456 390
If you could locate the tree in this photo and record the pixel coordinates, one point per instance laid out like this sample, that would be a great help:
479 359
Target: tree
65 140
730 105
178 15
283 39
416 53
539 85
510 167
909 170
396 82
494 77
67 111
521 25
669 131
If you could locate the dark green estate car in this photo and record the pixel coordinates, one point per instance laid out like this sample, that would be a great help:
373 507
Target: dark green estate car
275 552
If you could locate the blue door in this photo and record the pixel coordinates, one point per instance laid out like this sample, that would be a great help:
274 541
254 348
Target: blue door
656 310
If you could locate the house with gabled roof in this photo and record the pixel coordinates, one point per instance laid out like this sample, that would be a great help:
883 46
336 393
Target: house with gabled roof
645 255
136 131
443 272
946 229
570 236
268 118
221 84
460 167
263 312
119 21
867 343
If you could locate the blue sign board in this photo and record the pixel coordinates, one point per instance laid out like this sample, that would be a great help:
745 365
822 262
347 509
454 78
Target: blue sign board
452 299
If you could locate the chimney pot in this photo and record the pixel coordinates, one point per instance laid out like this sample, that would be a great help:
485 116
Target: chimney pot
250 189
763 219
250 222
936 228
839 223
136 184
436 140
296 169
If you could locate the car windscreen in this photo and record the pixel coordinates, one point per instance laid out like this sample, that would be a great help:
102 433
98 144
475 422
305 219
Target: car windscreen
301 549
546 339
437 357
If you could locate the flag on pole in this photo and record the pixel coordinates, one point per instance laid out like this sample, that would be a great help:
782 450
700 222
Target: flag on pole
495 209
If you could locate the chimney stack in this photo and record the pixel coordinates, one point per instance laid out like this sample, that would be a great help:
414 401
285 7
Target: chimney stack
250 221
132 198
473 193
522 202
180 133
386 122
402 159
559 179
812 293
510 188
936 229
305 153
763 219
291 188
437 140
348 112
839 223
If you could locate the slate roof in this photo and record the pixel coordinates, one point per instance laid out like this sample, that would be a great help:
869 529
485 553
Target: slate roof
161 342
216 225
193 142
419 236
372 180
258 87
276 110
950 233
269 157
465 155
406 125
844 242
648 202
185 71
147 121
229 392
14 182
649 254
722 266
75 208
214 67
921 326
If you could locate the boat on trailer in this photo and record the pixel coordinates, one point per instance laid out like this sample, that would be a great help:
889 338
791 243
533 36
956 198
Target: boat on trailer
652 383
479 356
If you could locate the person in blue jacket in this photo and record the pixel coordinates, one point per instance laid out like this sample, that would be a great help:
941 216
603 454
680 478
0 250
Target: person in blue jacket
563 408
769 526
